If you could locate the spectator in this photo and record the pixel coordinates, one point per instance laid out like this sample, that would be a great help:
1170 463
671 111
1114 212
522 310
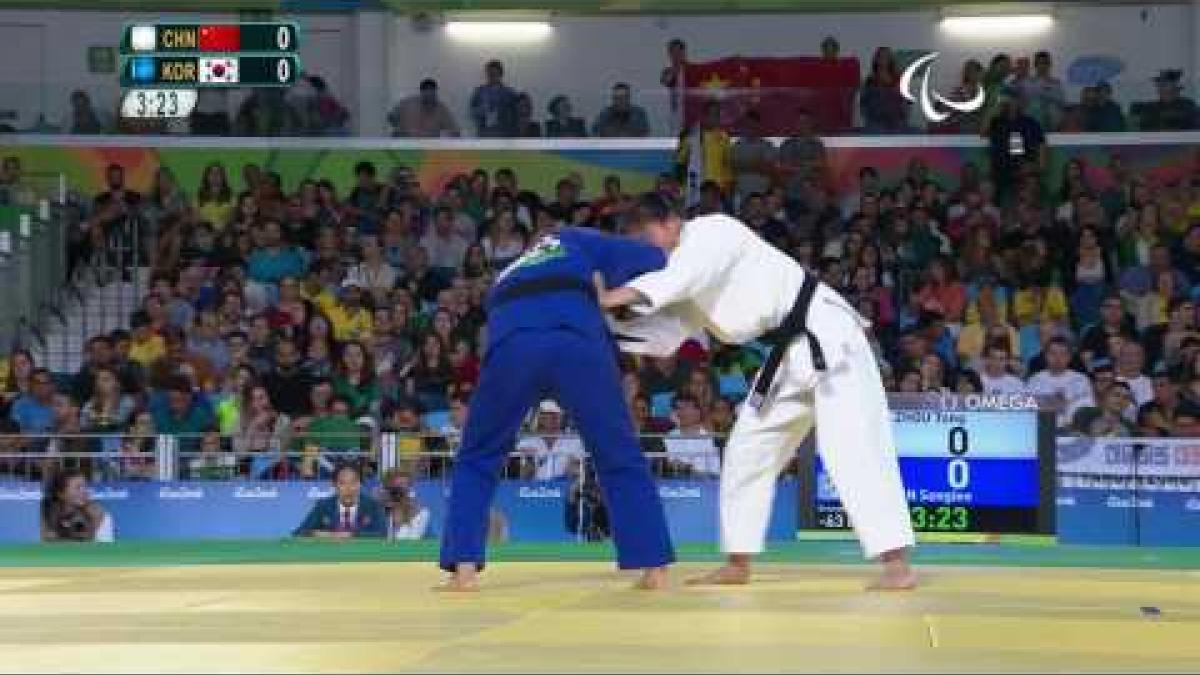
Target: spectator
527 127
429 378
365 204
181 410
347 316
690 447
355 380
830 48
1015 140
1130 369
69 514
407 518
261 428
1160 415
504 242
287 383
494 105
267 112
1171 112
1042 94
752 158
108 408
1109 419
970 86
995 376
374 273
210 117
444 245
621 119
33 412
703 154
348 514
1100 112
423 115
801 159
672 78
883 108
550 452
83 117
328 117
1070 388
561 124
214 461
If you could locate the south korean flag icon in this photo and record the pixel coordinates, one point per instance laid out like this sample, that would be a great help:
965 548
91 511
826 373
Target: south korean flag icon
218 71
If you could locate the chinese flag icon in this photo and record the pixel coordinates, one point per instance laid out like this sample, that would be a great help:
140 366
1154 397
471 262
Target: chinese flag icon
220 38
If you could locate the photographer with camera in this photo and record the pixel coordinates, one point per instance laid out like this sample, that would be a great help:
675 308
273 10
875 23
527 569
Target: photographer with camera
407 519
69 514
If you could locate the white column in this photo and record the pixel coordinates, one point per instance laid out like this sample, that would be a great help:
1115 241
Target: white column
371 30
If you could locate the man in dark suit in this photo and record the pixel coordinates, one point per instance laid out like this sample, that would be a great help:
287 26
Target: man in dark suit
347 514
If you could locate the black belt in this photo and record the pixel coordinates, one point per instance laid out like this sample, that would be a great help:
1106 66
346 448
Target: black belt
524 289
794 325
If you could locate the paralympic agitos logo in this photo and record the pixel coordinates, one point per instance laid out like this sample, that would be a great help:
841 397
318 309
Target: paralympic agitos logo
928 97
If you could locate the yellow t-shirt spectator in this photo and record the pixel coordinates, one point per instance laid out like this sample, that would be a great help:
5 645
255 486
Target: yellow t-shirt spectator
147 351
718 156
1039 303
216 212
346 324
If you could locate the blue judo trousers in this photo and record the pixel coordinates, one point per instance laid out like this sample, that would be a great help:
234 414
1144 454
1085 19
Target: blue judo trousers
547 338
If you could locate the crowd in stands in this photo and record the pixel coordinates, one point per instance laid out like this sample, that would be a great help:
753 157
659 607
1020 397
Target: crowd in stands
497 109
291 317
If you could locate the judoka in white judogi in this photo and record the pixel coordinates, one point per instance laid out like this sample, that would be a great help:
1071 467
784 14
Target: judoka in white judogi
724 278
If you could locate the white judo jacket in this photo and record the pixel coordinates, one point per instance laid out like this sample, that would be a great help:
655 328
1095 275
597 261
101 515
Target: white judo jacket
724 278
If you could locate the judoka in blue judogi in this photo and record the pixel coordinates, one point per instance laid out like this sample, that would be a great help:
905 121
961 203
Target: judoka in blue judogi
548 338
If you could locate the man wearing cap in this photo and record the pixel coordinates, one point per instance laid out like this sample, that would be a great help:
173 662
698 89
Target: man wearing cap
548 338
1171 112
739 288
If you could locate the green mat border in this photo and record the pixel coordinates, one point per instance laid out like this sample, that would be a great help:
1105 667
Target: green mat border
293 551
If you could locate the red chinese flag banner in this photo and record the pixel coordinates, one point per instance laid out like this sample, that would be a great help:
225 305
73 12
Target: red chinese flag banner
226 38
776 88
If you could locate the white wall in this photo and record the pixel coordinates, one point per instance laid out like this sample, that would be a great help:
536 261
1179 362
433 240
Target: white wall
372 59
586 54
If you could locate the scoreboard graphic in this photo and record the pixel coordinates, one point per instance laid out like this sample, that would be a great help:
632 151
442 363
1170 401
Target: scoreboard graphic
974 464
163 66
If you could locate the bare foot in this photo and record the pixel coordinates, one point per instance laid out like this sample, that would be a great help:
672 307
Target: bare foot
726 575
652 579
897 574
463 580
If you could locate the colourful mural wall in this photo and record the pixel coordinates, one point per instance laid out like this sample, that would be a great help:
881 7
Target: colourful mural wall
540 169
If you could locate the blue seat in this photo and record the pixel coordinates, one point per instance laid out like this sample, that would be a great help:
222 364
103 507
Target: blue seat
436 420
661 404
733 385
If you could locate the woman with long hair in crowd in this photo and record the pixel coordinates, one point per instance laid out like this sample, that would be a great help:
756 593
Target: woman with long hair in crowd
431 374
109 410
504 241
318 347
17 375
1143 232
1087 275
884 109
443 326
464 362
247 213
355 379
68 512
214 199
260 426
475 261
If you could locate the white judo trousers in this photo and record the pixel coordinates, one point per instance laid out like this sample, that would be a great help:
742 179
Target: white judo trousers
722 277
854 438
